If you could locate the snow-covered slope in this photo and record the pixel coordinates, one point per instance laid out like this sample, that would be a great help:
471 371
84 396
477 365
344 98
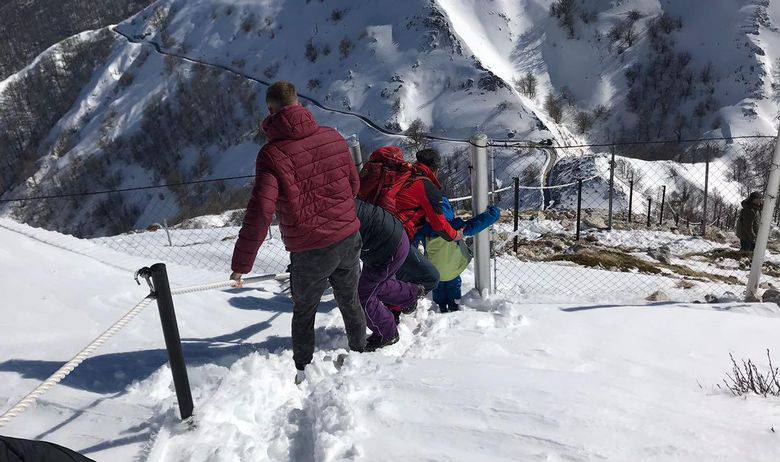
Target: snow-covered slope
502 380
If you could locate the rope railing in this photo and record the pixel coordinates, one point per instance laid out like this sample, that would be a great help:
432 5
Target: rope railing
30 398
74 362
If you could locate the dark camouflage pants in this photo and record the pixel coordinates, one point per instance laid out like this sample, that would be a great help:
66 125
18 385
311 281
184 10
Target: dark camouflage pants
311 272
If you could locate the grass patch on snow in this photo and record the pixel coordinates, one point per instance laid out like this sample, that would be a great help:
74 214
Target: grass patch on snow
743 258
618 261
702 276
607 259
721 254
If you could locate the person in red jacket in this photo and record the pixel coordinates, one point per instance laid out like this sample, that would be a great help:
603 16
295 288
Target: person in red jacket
418 203
305 174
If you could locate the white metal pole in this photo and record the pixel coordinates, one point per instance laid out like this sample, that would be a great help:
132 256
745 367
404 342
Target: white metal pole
480 198
354 147
494 283
770 200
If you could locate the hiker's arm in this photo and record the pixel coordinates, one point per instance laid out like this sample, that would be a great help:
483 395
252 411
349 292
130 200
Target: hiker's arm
431 205
482 221
259 213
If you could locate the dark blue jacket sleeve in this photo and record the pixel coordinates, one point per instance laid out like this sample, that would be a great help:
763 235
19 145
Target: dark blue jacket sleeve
482 221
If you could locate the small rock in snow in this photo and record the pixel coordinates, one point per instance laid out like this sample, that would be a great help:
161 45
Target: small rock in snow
663 254
658 296
771 296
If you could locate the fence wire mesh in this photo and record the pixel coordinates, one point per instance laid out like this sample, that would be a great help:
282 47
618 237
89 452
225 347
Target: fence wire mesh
653 217
193 225
660 228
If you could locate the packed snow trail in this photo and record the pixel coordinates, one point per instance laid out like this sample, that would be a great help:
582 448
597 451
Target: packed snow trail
505 382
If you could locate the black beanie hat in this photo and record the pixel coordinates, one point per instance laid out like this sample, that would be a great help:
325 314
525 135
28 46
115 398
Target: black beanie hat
430 158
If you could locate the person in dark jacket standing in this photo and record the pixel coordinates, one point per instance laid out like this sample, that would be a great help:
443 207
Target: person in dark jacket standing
385 247
749 221
305 174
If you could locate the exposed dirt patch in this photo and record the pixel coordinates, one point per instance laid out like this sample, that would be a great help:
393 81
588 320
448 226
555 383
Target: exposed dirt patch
607 259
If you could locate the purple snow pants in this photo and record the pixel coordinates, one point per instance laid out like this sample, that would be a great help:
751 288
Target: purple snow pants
378 287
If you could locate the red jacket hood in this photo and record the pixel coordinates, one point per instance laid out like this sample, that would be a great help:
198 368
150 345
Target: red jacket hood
425 171
291 123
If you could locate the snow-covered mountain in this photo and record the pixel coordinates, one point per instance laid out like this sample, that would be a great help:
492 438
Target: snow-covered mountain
106 109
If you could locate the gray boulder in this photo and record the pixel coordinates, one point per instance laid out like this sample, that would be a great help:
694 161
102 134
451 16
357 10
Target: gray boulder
771 296
658 296
663 254
594 222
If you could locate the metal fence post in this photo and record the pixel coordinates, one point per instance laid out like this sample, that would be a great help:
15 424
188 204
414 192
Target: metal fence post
579 207
479 203
663 206
493 201
770 201
181 383
357 155
630 200
649 210
167 232
706 195
516 211
611 188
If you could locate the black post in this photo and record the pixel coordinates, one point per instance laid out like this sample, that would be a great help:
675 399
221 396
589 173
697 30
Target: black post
730 217
719 209
649 209
663 205
706 195
611 188
630 200
579 207
181 383
517 210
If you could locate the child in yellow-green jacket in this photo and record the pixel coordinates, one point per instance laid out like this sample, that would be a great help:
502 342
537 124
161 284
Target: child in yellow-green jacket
452 257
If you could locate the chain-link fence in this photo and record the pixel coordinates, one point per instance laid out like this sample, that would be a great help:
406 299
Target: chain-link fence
194 224
643 226
656 220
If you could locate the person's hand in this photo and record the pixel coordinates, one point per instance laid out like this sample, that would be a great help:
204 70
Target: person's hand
458 235
237 277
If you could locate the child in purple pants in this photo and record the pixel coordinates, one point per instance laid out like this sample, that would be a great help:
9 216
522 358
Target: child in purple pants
385 247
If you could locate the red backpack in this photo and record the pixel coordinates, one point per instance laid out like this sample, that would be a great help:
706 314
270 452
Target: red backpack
383 176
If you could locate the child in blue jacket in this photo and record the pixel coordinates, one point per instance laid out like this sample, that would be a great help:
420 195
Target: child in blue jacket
452 257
